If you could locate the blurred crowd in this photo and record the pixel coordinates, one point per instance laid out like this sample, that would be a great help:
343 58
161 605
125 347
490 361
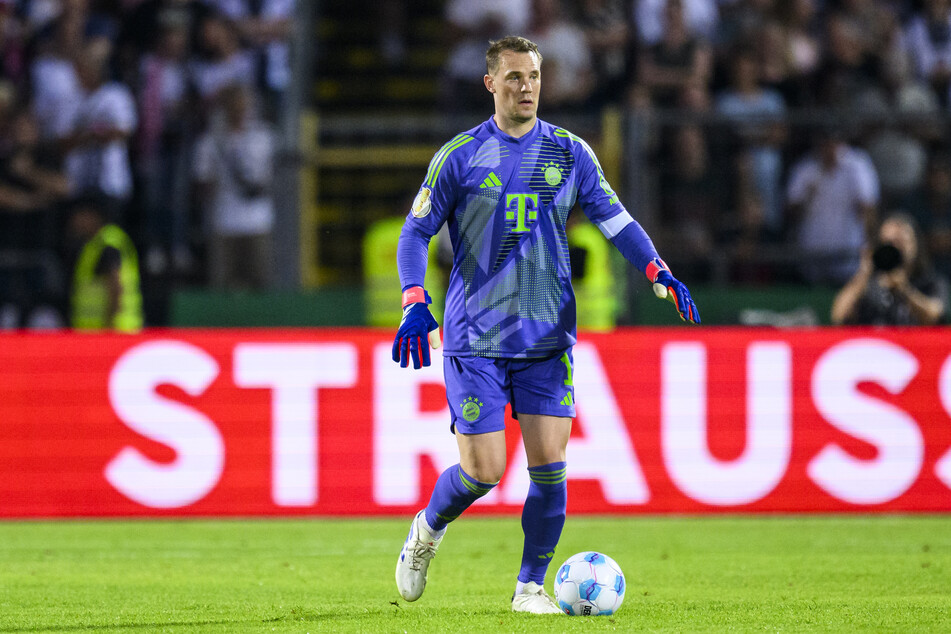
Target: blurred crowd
776 133
772 136
159 115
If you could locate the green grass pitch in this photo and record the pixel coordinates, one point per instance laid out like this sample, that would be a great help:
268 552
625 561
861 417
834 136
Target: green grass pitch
684 574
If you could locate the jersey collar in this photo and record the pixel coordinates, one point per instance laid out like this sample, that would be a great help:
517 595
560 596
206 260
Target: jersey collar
522 141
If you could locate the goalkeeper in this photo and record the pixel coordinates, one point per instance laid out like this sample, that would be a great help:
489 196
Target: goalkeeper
505 189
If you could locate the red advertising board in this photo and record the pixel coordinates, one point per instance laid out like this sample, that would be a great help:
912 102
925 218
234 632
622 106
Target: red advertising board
317 422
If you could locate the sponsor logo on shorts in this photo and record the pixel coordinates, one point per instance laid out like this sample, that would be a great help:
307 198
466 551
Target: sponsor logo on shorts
471 408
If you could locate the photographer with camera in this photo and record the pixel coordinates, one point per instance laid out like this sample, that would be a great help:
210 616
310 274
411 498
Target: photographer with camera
895 284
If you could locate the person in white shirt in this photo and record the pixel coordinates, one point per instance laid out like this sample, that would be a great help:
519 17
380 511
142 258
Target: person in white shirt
832 197
928 42
223 62
233 168
701 17
569 76
265 26
469 25
97 159
57 92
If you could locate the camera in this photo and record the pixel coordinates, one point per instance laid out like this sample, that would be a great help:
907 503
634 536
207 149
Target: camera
886 257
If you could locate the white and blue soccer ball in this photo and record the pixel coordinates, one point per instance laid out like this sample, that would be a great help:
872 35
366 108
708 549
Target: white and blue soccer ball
589 584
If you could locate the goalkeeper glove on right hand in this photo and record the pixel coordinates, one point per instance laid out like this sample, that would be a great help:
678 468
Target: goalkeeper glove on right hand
666 286
418 329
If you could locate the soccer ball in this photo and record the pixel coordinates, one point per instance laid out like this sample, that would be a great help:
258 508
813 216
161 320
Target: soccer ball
589 584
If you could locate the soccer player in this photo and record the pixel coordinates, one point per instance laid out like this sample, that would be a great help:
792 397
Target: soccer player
505 189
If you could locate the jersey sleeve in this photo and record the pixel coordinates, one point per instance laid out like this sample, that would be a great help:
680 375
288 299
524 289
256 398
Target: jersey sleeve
432 205
606 212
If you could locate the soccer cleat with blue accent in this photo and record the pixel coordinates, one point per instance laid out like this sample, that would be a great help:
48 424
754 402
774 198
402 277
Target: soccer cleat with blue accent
418 550
534 600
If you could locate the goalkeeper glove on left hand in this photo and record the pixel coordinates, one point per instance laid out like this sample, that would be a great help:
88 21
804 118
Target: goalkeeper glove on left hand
666 286
418 329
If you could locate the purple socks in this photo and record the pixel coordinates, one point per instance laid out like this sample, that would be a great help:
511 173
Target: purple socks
543 517
453 493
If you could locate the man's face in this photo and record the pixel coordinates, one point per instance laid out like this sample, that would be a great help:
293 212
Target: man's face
515 86
902 236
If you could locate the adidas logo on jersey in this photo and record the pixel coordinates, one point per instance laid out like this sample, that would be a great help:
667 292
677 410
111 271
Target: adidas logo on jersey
491 181
568 400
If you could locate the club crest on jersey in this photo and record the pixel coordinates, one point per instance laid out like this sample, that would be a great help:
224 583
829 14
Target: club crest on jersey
553 173
422 204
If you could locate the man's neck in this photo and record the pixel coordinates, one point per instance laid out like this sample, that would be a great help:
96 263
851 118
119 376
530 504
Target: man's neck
514 129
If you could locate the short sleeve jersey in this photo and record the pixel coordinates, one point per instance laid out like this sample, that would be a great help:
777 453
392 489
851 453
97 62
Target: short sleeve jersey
506 201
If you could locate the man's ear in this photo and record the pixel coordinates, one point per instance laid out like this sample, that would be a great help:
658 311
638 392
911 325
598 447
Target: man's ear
489 83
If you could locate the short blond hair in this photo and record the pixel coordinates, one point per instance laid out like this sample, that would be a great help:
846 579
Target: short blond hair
515 43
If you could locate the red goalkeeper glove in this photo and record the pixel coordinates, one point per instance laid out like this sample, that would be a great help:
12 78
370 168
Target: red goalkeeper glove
418 329
666 286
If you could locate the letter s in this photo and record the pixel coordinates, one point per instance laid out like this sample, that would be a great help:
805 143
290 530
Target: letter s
890 430
194 437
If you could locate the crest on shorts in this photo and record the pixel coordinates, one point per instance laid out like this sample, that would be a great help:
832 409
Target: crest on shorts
471 408
422 204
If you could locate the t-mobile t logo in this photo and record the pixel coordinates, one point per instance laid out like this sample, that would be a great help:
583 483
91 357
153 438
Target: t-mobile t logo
522 209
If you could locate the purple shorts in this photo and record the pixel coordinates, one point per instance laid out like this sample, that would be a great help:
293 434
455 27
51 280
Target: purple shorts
479 388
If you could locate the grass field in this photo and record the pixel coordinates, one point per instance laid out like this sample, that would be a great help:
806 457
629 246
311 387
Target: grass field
833 574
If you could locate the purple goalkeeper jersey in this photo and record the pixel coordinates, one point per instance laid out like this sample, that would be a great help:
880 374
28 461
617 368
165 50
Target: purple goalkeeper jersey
506 201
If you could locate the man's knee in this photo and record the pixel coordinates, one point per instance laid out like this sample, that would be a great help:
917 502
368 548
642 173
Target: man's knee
482 456
487 469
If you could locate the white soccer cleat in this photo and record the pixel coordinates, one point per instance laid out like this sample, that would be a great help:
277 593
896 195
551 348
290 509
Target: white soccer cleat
418 550
534 600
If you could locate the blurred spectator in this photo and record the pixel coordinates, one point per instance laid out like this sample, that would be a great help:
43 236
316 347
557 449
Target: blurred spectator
233 168
608 36
874 20
848 68
931 207
568 76
97 159
790 74
106 292
31 186
832 198
928 38
742 233
895 284
901 114
265 26
741 21
57 92
141 27
162 145
700 18
221 61
27 187
470 25
803 48
34 169
689 205
676 61
592 276
12 53
755 114
394 18
39 14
